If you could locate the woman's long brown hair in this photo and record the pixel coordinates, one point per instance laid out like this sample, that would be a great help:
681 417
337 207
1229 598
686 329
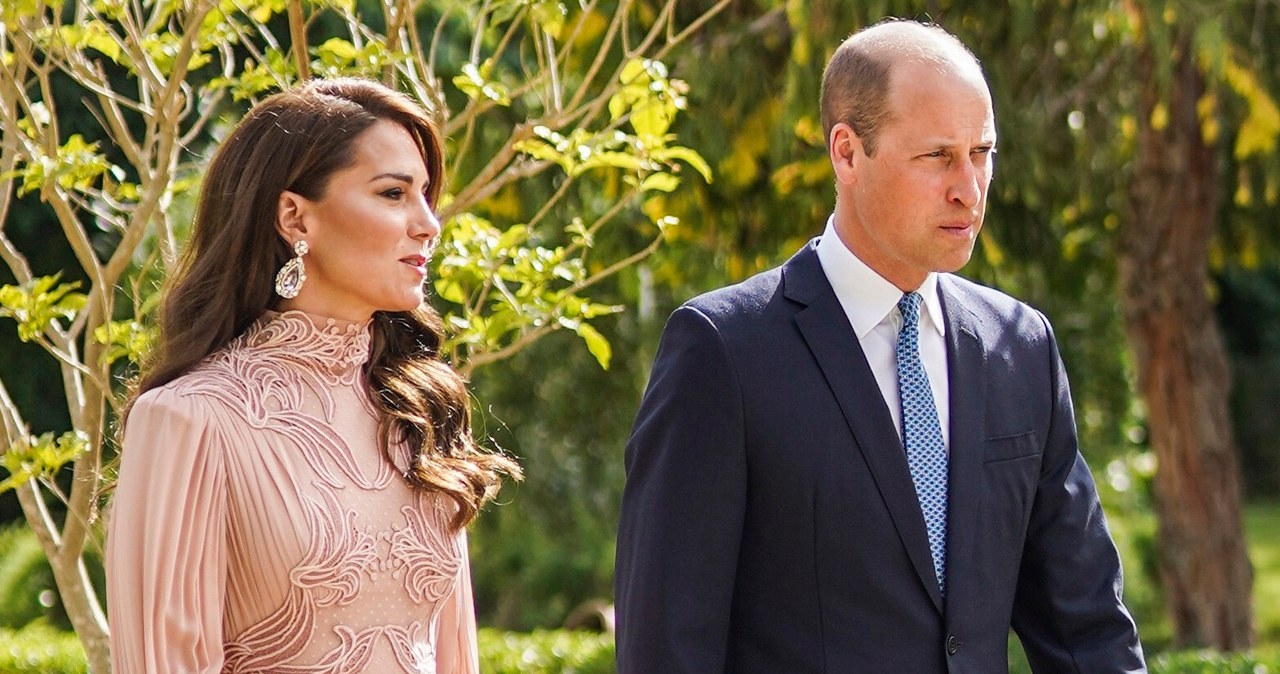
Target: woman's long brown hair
295 140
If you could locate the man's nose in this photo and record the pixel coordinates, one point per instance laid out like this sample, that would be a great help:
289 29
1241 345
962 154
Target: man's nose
966 188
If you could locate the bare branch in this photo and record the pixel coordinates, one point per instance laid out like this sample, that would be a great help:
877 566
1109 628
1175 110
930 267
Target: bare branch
611 34
481 26
489 173
10 420
618 266
490 357
298 36
16 261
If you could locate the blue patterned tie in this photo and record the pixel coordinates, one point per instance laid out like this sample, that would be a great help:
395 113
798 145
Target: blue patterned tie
922 435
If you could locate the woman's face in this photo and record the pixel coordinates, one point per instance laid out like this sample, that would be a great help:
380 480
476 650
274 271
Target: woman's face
370 234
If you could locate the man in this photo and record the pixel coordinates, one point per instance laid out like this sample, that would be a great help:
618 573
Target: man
858 462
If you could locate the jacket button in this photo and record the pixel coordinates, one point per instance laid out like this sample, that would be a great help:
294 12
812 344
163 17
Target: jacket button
953 644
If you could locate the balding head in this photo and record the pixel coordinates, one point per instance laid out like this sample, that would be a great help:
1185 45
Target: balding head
855 86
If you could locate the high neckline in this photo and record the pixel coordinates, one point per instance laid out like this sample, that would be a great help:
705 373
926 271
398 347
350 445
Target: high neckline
332 345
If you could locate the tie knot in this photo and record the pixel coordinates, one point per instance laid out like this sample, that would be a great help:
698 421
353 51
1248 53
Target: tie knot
909 305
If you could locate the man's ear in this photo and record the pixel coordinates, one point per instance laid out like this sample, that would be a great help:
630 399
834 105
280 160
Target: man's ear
845 151
291 210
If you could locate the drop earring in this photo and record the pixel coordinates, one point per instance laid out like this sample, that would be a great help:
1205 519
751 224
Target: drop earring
293 274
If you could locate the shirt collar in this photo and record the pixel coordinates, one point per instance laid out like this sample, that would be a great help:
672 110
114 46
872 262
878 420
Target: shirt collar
867 297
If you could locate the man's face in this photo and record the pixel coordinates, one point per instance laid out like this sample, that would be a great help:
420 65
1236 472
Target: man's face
918 204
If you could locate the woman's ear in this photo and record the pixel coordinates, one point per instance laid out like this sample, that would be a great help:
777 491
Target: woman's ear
291 211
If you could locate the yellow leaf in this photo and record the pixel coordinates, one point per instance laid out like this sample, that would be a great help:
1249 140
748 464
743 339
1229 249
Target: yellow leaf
1261 126
596 344
1160 117
991 251
1243 195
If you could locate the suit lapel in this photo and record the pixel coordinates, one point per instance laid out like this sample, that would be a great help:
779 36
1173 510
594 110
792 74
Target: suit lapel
966 361
834 345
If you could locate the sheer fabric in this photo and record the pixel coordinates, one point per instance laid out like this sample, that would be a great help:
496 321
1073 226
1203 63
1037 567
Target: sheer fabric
258 527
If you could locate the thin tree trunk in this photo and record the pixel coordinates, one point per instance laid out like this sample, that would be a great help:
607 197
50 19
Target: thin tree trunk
1182 363
72 579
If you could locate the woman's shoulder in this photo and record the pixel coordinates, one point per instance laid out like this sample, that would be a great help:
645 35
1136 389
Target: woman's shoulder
198 392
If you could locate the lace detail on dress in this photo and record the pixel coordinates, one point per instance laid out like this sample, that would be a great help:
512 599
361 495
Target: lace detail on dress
270 372
339 348
290 377
429 576
330 575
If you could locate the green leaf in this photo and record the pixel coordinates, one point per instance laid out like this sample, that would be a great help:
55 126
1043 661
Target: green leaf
514 236
36 457
663 182
93 35
652 117
550 14
596 344
37 303
636 70
256 78
592 309
539 149
451 290
687 155
622 160
337 52
475 84
125 339
163 48
13 11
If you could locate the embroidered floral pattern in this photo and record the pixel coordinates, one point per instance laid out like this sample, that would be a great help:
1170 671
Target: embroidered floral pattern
430 575
288 375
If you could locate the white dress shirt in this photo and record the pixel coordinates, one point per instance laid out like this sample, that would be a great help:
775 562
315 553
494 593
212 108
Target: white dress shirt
871 304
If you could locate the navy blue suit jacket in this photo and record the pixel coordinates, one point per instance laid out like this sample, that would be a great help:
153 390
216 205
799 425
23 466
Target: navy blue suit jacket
769 522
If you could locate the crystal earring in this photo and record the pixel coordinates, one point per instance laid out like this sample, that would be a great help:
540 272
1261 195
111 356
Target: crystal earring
293 274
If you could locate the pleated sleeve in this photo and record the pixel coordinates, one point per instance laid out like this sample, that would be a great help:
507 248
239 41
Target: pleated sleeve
456 650
166 548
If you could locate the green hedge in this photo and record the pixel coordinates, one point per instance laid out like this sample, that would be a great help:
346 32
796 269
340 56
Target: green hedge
1210 662
545 652
40 649
24 577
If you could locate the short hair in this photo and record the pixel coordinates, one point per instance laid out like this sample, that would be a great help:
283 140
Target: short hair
855 84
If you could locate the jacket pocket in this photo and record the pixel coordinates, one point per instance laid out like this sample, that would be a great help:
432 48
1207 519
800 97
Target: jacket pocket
1010 447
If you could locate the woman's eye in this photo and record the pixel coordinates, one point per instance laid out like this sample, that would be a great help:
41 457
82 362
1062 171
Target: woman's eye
393 193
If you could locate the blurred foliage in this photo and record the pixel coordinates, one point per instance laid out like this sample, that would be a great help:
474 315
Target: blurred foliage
26 583
550 546
1209 662
546 652
1249 311
1262 523
27 591
41 649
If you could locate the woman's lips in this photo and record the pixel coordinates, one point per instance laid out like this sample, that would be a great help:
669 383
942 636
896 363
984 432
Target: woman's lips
418 262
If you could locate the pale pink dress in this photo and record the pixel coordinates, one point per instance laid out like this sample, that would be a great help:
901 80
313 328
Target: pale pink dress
257 526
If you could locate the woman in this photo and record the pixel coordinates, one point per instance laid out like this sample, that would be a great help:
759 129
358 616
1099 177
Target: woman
298 466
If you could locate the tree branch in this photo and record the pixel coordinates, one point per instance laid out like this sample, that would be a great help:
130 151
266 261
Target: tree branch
298 36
